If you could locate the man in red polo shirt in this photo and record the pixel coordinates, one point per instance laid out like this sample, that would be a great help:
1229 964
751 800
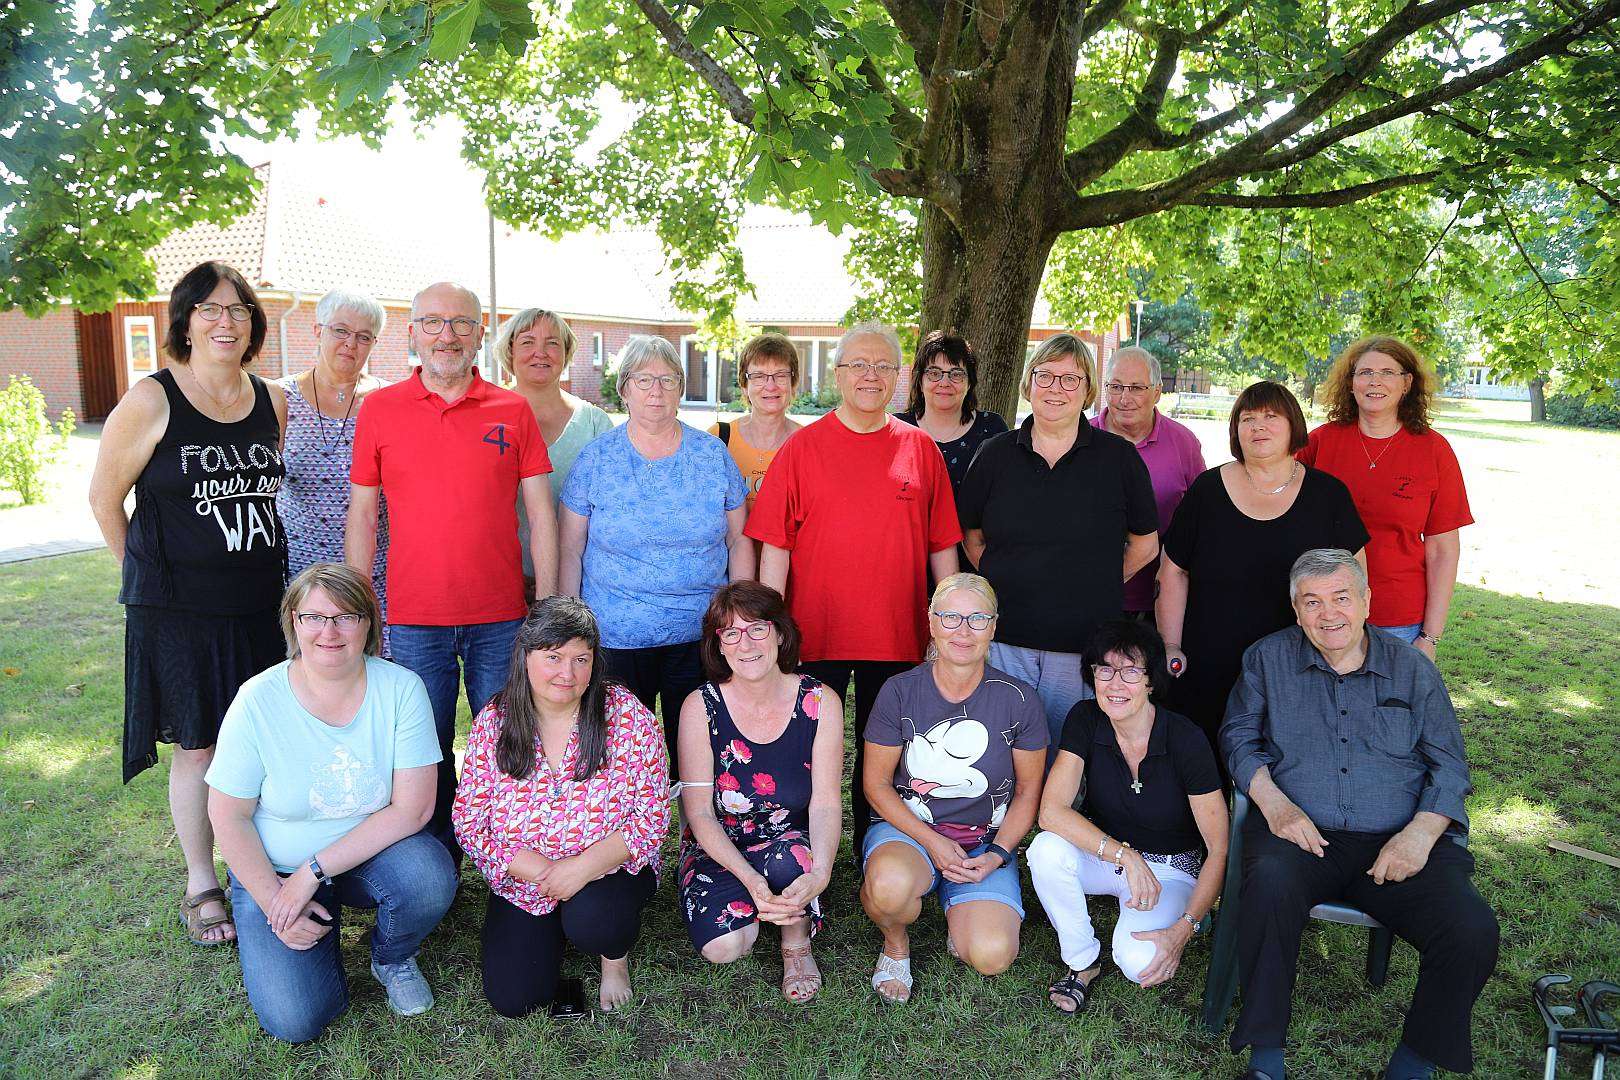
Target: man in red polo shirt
855 513
452 452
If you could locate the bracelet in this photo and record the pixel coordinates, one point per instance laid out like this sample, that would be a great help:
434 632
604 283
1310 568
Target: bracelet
997 849
1432 639
1119 853
1102 844
1192 922
320 875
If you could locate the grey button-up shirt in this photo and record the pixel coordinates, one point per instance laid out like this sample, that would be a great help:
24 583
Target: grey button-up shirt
1360 752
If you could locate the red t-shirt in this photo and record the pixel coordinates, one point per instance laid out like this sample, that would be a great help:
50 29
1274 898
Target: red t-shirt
451 474
1415 490
861 513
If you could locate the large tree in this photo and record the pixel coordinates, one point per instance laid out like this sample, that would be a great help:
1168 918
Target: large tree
982 133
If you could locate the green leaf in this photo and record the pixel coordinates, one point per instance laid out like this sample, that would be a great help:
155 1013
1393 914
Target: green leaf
341 41
453 31
713 16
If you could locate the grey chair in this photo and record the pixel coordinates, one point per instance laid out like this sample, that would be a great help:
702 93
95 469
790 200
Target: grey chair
1220 985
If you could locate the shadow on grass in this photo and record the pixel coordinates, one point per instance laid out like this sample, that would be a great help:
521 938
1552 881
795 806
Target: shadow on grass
95 977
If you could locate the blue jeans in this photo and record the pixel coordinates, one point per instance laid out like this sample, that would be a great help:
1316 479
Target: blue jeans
1058 677
1000 885
294 994
1407 634
485 654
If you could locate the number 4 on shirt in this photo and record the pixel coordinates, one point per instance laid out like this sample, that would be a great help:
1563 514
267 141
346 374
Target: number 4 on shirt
496 436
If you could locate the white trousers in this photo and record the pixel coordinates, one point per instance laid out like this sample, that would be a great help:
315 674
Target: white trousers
1065 876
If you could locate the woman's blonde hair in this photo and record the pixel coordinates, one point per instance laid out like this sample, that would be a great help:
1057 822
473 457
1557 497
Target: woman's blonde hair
1413 410
349 590
525 320
964 580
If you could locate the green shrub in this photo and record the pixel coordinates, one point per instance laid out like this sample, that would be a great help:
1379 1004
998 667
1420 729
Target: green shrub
817 402
1580 410
609 393
28 442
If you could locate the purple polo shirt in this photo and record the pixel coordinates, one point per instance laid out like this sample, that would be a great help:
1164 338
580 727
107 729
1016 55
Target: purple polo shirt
1174 460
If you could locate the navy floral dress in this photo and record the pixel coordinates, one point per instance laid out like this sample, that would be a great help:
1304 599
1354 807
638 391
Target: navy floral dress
762 800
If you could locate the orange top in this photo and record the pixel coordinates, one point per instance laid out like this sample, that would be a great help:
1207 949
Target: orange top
751 461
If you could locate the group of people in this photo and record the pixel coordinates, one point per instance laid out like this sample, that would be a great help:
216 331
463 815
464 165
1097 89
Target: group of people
1140 634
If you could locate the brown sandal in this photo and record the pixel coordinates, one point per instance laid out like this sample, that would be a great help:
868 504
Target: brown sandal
799 969
197 924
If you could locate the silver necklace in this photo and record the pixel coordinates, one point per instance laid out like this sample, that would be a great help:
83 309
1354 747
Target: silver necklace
1279 488
329 448
1372 462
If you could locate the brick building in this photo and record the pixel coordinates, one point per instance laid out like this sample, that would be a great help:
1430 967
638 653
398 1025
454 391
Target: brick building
296 243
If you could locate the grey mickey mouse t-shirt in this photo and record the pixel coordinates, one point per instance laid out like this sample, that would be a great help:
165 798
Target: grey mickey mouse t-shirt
956 764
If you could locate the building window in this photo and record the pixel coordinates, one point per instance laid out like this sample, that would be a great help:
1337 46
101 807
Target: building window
596 349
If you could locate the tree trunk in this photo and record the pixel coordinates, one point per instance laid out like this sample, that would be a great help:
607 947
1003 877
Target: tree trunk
1538 401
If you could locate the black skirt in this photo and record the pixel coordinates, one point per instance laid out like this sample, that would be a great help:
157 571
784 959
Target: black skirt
181 672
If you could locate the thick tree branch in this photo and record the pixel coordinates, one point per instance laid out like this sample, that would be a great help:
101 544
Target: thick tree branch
936 85
737 102
939 188
917 21
1313 199
1004 36
1517 60
1097 16
1140 127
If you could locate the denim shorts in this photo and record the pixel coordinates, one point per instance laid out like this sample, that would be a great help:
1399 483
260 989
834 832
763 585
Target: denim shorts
1000 885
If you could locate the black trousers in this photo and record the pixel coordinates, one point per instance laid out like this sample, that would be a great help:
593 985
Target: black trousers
1437 910
869 677
667 672
523 952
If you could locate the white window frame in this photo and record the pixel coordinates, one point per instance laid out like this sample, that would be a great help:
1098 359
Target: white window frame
596 348
130 324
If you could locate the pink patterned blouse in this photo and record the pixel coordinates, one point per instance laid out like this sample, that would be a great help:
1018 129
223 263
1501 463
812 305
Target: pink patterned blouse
497 816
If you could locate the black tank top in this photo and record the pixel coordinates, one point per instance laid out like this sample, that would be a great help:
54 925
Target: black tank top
205 535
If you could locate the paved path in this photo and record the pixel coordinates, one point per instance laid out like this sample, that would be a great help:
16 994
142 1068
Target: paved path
64 523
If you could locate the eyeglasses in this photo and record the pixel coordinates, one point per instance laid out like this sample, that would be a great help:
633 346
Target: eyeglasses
461 326
1132 675
730 635
645 382
1069 382
775 378
1116 389
860 369
1379 374
316 621
343 333
939 374
210 310
950 620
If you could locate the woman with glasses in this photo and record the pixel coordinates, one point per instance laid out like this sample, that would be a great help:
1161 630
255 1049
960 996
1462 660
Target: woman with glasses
944 401
320 787
534 348
767 371
1151 830
762 760
954 755
204 556
650 525
1404 478
321 406
563 805
1223 581
1058 515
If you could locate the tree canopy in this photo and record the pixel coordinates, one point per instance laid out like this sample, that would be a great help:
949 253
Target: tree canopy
1307 168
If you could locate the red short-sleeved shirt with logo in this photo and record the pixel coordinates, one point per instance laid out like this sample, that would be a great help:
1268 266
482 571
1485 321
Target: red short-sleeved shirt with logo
1405 487
451 473
861 512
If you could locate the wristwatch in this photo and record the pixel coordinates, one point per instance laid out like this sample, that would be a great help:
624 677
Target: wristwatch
1432 639
320 875
1006 856
1192 922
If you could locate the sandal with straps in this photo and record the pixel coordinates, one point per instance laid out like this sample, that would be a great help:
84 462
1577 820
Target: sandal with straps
892 969
799 970
1070 986
197 924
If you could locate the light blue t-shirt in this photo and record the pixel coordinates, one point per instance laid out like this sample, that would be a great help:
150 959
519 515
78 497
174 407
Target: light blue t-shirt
656 549
315 782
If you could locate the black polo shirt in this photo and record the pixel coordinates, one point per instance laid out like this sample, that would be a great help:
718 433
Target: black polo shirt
1055 535
1179 763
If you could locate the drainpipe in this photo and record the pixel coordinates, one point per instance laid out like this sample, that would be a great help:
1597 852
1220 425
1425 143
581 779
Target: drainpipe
298 298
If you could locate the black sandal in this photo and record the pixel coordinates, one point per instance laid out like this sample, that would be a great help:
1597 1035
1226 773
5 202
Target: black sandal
1071 987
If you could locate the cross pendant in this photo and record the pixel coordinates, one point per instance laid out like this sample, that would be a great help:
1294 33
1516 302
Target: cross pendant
1372 465
1136 786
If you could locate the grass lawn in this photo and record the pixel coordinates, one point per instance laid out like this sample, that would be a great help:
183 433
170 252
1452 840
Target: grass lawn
96 979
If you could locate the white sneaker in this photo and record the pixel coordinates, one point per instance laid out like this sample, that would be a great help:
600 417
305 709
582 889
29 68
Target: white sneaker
408 992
